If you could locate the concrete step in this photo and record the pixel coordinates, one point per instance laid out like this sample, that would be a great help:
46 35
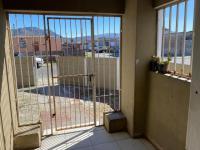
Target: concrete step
27 137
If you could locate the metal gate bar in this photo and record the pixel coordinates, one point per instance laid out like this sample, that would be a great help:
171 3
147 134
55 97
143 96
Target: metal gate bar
48 75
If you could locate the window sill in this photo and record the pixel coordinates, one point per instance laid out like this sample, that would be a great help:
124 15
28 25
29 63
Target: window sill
176 77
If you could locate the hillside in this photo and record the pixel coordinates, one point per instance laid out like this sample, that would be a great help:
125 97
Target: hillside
28 31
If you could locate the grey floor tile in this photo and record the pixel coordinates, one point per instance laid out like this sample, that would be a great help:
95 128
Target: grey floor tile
106 146
94 139
101 137
147 144
120 136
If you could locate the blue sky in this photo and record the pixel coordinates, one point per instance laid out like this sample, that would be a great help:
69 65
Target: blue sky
190 16
65 27
111 24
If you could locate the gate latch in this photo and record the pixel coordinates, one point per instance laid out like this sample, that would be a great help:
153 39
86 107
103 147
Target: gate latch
53 115
90 77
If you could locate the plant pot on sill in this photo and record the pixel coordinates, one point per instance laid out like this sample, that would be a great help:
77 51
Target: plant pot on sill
163 68
153 66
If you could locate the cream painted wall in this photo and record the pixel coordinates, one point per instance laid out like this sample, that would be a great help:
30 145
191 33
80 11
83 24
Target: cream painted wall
7 94
193 133
145 48
6 129
128 61
167 113
138 45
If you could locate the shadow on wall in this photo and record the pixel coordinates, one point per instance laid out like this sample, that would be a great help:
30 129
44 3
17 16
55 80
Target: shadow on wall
2 46
2 53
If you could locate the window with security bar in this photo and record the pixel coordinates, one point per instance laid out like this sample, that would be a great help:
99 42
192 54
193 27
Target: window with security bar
175 36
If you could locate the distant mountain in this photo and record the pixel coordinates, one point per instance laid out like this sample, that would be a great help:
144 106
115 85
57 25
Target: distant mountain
30 31
34 31
180 42
107 35
189 34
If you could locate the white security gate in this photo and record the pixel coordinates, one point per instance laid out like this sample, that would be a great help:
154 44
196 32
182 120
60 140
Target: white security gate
67 69
73 84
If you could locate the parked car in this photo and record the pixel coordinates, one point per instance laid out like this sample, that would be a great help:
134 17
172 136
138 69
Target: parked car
39 61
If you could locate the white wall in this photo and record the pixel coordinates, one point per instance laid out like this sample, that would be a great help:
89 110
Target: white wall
25 77
107 70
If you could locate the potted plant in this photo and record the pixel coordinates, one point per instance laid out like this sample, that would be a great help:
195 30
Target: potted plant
154 63
163 65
